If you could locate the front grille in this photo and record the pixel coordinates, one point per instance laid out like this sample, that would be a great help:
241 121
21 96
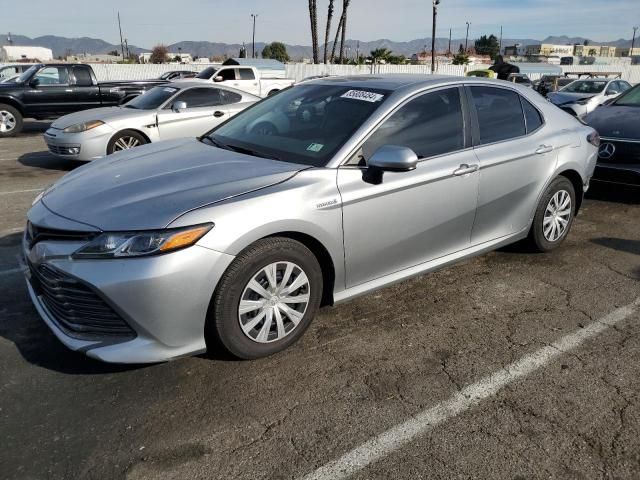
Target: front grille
62 149
624 153
35 234
77 309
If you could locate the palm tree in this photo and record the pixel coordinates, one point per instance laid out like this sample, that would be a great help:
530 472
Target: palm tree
341 29
328 30
313 17
380 54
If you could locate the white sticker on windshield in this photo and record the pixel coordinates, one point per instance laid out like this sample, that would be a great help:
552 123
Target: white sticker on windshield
363 95
315 147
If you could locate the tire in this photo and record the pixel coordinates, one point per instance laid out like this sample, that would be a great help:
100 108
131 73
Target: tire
10 121
542 236
225 319
123 138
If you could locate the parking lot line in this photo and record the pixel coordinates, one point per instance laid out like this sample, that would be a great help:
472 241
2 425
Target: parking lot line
22 191
393 439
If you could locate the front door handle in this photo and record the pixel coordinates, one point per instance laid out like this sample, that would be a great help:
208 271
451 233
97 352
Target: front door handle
542 149
218 114
465 169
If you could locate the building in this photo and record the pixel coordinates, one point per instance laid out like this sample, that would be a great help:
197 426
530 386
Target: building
11 53
184 57
594 51
626 52
515 51
97 58
548 49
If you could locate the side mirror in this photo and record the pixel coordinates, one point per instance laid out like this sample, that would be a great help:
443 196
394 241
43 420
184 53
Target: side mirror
34 82
219 78
393 158
179 106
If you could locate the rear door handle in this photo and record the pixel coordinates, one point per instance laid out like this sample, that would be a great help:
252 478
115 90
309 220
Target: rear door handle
218 114
542 149
465 169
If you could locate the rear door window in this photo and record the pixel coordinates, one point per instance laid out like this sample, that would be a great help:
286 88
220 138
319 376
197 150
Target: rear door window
499 114
82 76
246 74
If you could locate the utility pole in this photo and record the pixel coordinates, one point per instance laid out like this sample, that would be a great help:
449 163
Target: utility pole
500 49
633 42
253 43
121 42
126 48
466 39
433 37
449 50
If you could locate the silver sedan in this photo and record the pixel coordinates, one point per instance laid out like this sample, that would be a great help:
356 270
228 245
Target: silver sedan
325 191
185 109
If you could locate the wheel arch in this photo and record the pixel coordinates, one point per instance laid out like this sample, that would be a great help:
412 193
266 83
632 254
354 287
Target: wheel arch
576 180
140 132
13 103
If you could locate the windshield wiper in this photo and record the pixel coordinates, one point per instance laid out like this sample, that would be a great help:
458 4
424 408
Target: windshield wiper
254 153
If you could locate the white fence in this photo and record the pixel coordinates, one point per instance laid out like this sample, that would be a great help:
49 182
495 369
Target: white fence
299 71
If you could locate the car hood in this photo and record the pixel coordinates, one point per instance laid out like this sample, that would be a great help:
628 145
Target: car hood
150 186
616 121
106 114
560 98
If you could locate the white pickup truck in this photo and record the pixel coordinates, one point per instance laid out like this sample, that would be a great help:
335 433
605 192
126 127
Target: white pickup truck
248 79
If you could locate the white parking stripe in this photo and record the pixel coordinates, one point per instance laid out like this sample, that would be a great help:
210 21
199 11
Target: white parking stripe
398 436
22 191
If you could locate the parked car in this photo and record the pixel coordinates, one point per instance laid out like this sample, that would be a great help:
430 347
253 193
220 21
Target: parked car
618 124
51 90
234 240
177 74
581 97
12 71
551 83
245 78
172 111
521 78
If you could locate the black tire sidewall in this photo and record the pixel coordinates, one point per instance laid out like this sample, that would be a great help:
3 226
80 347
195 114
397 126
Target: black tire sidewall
537 235
223 326
125 133
19 121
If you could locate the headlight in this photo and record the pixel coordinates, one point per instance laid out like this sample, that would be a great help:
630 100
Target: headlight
83 127
139 244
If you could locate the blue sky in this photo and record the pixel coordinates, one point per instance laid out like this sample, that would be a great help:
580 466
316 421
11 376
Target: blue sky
147 22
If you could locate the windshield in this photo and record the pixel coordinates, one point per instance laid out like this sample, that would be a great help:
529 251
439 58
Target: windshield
631 98
27 73
306 124
585 86
207 73
152 99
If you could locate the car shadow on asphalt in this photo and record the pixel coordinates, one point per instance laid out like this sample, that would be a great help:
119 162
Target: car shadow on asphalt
35 127
47 161
22 326
620 244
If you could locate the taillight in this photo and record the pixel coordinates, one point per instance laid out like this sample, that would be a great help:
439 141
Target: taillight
594 138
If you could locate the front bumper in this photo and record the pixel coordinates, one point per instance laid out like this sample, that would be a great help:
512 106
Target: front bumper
164 299
84 146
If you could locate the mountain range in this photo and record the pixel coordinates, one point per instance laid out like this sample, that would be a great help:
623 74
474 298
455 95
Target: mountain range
62 46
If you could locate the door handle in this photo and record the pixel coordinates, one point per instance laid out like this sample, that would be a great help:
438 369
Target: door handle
218 114
465 169
542 149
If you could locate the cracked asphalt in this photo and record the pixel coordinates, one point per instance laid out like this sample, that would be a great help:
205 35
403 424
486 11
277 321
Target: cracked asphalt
361 368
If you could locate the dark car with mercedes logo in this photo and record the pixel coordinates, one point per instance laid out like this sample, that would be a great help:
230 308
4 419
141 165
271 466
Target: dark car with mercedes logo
618 124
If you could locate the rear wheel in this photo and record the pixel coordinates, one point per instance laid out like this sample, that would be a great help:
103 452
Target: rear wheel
554 216
265 300
10 121
124 141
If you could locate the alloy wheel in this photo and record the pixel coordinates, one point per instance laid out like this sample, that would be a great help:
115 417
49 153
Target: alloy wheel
557 216
274 302
125 143
7 121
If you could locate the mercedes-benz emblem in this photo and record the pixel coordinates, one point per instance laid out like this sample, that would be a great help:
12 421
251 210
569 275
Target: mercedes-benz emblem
606 150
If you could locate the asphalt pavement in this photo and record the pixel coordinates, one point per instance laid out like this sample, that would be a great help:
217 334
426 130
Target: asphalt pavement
512 365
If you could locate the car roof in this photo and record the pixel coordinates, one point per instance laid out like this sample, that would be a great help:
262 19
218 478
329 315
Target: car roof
185 84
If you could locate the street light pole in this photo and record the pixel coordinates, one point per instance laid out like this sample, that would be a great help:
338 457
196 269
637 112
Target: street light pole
466 39
433 36
633 42
253 42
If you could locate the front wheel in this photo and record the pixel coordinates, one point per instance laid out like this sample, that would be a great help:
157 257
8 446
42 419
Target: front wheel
265 300
554 216
10 121
124 141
